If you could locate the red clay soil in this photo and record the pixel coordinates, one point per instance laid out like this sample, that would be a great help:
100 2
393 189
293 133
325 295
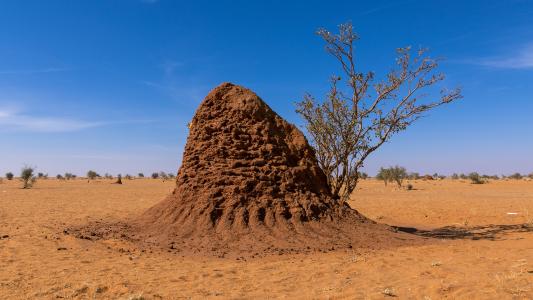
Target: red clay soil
250 184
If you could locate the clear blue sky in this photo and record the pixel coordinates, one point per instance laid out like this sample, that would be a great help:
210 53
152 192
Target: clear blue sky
110 85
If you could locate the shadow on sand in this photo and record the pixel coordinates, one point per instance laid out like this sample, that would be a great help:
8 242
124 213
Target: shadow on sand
484 232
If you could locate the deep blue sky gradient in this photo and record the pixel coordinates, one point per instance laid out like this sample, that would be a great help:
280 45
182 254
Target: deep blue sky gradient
110 85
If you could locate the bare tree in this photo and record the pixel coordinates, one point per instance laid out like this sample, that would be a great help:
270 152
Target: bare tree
354 121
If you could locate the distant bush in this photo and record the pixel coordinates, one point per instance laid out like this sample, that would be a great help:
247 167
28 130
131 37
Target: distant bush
163 175
60 177
108 176
454 176
409 187
413 176
92 175
463 176
128 177
27 177
530 175
392 174
363 175
140 175
383 174
171 176
155 175
516 176
475 178
69 176
42 175
9 176
427 177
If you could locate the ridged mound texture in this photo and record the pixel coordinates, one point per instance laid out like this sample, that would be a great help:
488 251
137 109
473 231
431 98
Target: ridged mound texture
250 183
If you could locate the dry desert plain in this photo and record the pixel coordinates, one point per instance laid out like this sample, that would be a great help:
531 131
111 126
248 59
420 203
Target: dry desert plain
485 261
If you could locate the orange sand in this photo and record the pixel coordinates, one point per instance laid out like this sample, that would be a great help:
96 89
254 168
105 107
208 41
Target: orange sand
31 266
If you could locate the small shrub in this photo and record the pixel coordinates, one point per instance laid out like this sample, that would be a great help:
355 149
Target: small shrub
163 175
155 175
455 176
413 176
463 176
108 176
9 176
60 177
27 177
516 176
475 178
128 177
409 187
92 175
363 175
69 176
140 175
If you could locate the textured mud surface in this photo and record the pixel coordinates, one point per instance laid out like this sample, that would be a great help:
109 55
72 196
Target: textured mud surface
249 183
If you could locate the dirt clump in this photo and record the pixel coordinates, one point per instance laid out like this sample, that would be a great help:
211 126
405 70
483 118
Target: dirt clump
250 183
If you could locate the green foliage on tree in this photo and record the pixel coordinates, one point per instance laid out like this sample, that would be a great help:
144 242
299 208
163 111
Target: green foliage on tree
392 174
27 177
92 175
475 178
361 113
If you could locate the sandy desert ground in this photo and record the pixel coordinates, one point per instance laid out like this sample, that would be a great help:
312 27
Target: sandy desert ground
485 261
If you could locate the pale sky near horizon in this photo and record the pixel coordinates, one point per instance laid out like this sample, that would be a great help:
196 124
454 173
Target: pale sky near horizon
110 85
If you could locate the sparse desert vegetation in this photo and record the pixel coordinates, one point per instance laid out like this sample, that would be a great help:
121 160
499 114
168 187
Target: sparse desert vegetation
392 174
352 170
27 177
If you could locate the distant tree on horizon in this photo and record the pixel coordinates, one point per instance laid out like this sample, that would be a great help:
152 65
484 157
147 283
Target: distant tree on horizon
392 174
413 176
353 122
92 175
9 176
163 175
27 177
475 178
140 175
